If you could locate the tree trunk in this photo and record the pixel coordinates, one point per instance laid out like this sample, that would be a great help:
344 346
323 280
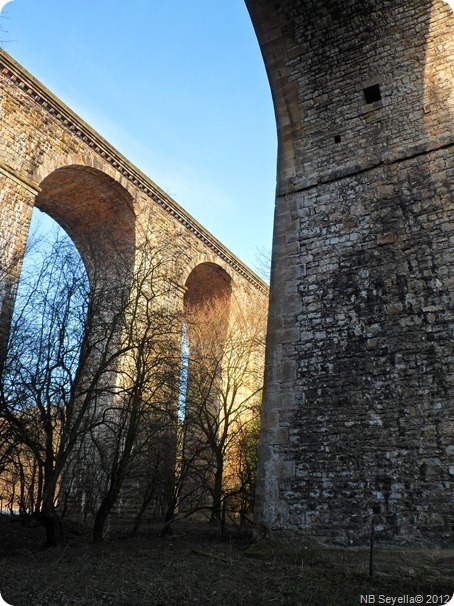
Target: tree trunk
54 528
216 513
102 514
169 517
48 515
144 506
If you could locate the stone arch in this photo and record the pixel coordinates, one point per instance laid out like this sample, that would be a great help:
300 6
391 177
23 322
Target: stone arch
207 281
274 35
206 307
98 215
208 293
95 211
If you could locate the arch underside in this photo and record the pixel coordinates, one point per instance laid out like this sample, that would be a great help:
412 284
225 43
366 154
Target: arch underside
95 211
207 281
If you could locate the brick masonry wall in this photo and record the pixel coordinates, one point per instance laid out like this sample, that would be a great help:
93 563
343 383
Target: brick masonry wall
358 415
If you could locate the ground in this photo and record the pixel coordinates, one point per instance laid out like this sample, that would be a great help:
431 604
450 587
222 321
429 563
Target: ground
194 566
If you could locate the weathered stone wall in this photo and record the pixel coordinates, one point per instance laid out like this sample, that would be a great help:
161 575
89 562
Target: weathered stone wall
359 408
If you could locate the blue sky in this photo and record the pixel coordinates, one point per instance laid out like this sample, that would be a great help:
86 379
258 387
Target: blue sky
177 86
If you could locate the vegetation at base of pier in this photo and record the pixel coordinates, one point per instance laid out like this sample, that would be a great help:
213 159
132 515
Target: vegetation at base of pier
101 412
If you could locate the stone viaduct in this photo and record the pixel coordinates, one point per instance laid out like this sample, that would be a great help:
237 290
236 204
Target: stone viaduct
51 159
358 416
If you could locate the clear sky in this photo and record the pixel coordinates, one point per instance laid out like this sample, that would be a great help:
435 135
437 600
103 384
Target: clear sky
177 86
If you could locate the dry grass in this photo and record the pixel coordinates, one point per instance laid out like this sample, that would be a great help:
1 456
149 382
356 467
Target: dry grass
196 566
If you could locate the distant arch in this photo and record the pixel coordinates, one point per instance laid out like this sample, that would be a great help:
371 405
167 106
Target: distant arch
207 281
206 302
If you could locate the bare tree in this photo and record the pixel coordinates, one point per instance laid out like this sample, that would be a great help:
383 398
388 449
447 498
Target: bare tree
225 374
240 498
191 478
262 263
137 437
90 369
40 377
89 391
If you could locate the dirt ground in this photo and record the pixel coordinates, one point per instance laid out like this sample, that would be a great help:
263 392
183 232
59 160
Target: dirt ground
195 566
